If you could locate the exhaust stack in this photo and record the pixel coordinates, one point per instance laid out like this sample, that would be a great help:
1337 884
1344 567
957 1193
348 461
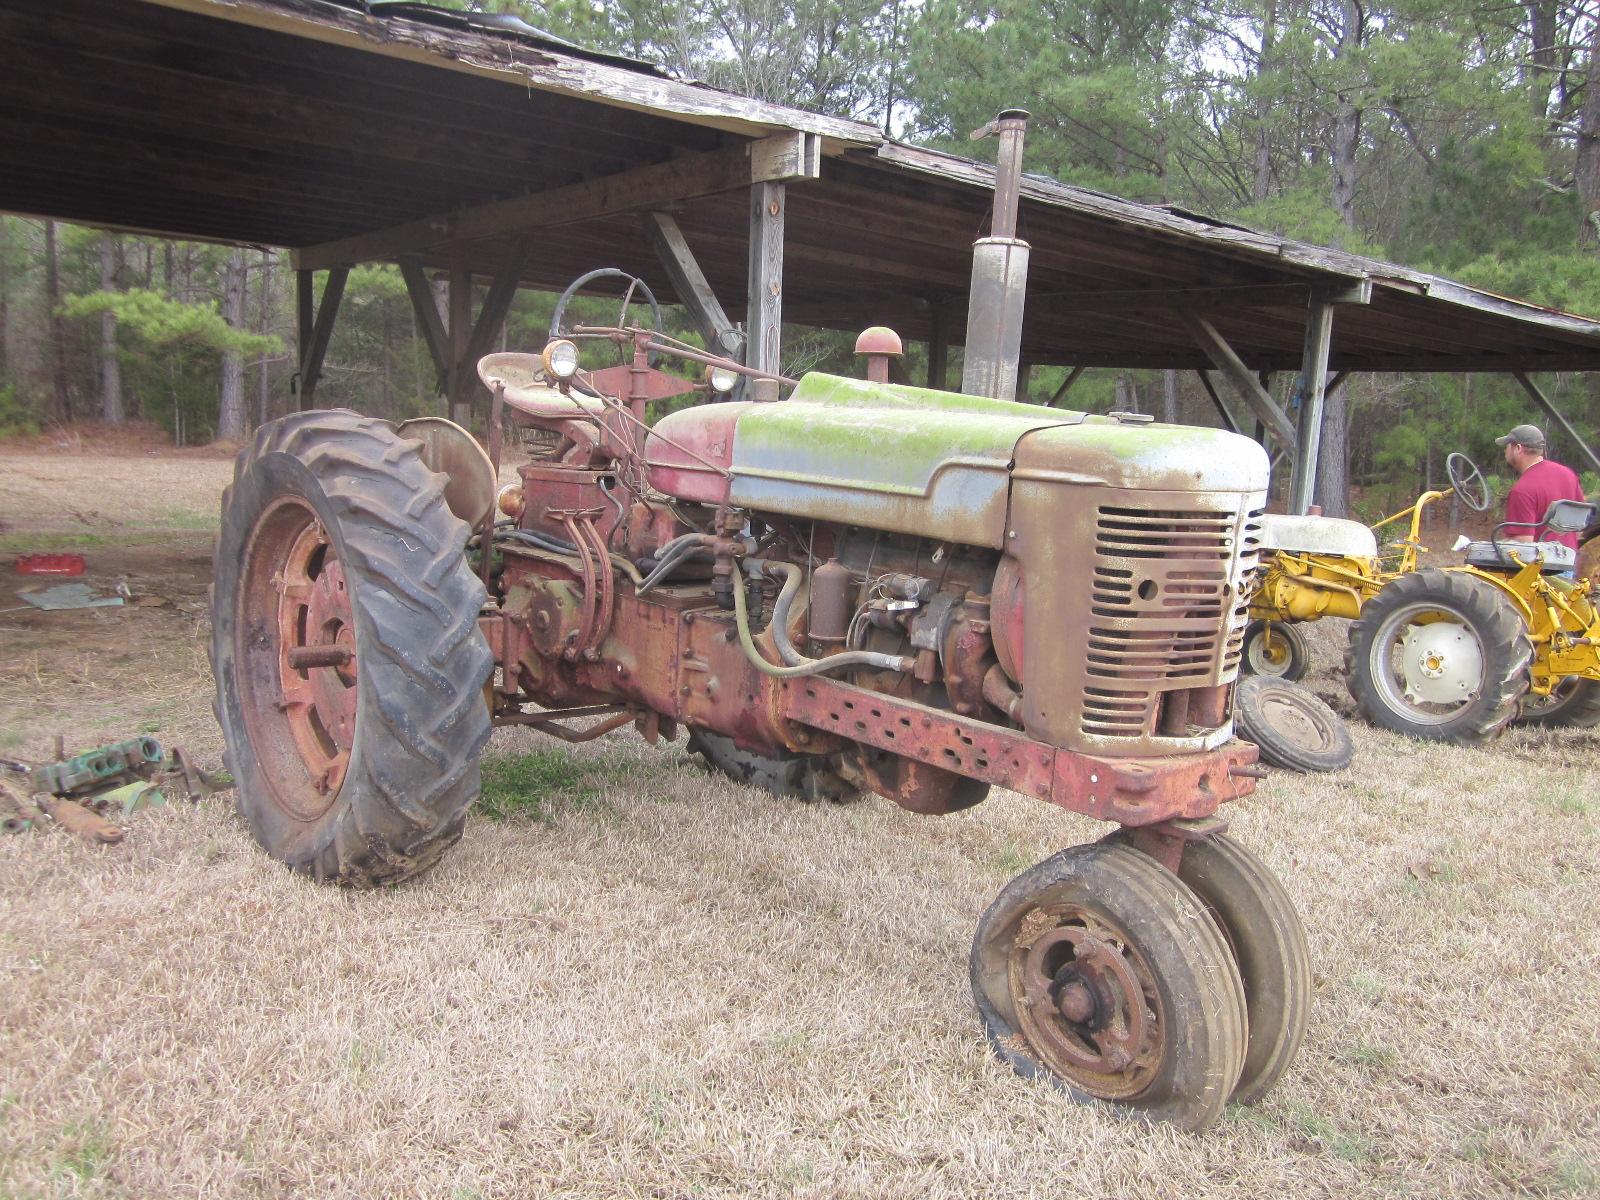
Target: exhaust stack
999 274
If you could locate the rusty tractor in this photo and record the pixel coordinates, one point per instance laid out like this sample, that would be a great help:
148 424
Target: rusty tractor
859 587
1446 653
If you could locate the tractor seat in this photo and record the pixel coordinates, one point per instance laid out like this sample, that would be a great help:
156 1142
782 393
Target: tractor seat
1554 557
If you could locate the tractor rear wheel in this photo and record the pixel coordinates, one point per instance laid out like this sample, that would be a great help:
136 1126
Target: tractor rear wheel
1098 970
1275 649
798 777
1572 704
1440 655
346 651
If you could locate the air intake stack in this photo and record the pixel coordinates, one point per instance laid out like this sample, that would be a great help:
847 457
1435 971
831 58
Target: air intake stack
999 274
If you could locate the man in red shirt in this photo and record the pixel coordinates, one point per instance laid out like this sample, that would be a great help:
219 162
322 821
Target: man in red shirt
1539 481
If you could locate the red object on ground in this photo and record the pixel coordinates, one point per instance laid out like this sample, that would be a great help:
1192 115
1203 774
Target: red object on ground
50 564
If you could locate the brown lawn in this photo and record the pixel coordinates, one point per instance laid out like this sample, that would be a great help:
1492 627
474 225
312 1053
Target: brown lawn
649 982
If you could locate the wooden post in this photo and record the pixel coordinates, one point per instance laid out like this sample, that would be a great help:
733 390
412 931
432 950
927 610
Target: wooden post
939 343
459 393
764 317
1313 381
1554 414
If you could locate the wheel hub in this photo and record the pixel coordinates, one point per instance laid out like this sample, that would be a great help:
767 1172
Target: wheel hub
1440 663
1083 1004
298 641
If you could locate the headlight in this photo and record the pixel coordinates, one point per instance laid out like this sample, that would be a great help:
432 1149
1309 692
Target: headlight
560 359
721 379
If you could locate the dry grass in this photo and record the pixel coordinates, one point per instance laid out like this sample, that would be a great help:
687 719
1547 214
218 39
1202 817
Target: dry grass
654 983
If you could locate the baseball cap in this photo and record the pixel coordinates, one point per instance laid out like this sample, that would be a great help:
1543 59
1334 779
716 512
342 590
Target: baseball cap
1523 435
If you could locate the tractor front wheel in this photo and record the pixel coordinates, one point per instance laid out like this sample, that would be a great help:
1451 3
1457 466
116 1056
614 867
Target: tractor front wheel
1441 655
346 651
1099 970
1263 931
1573 703
1276 650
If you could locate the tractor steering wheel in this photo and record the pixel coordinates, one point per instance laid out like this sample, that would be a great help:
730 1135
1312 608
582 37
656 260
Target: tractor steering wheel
1468 482
635 284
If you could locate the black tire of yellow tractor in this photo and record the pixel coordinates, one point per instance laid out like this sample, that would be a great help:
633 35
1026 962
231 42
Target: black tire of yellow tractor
1572 704
1296 652
1292 726
1268 942
421 663
1502 638
1157 921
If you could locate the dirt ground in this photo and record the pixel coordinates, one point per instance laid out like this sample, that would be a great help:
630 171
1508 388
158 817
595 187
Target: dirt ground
645 982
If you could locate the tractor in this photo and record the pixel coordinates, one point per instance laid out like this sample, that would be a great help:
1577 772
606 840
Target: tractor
835 586
1445 653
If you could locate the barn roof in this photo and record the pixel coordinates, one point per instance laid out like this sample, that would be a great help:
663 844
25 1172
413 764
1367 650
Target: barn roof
346 130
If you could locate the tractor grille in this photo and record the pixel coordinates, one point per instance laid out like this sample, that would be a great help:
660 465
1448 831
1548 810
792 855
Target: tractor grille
1167 609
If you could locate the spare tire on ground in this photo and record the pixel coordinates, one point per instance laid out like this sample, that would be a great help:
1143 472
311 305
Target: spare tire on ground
1294 728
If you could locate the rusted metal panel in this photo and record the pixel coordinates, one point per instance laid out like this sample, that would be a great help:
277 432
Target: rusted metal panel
1136 791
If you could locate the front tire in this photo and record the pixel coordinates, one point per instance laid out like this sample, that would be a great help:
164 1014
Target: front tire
1275 650
1573 703
1440 655
1099 970
338 553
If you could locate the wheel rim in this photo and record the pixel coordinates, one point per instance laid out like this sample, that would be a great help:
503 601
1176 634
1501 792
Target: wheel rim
1086 1001
295 643
1297 722
1427 663
1268 654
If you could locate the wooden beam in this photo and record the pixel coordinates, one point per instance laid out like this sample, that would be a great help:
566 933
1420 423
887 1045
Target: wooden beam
426 309
764 314
313 349
1066 386
938 342
1222 409
495 305
1232 367
677 179
689 282
1554 414
785 156
1313 381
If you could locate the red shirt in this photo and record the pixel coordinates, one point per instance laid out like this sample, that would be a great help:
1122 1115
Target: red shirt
1530 498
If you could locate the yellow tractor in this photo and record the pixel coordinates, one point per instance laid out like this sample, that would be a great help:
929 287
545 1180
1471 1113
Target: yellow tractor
1447 653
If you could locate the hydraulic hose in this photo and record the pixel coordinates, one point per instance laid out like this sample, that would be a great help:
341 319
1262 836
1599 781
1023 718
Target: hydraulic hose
803 665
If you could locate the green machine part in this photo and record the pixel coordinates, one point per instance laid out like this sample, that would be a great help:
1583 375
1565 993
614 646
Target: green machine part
94 769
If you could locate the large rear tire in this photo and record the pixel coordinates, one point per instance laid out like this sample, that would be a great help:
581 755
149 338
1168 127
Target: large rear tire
1440 655
339 552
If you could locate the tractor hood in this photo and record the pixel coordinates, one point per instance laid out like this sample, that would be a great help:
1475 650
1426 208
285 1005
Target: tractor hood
939 464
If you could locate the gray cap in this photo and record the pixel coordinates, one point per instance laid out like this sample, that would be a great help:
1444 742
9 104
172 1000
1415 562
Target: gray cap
1530 436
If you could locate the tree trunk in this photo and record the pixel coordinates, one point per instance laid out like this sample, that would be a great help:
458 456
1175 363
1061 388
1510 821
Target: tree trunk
1588 171
1347 117
1261 186
230 411
58 336
1540 73
1332 489
111 411
263 324
1169 397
